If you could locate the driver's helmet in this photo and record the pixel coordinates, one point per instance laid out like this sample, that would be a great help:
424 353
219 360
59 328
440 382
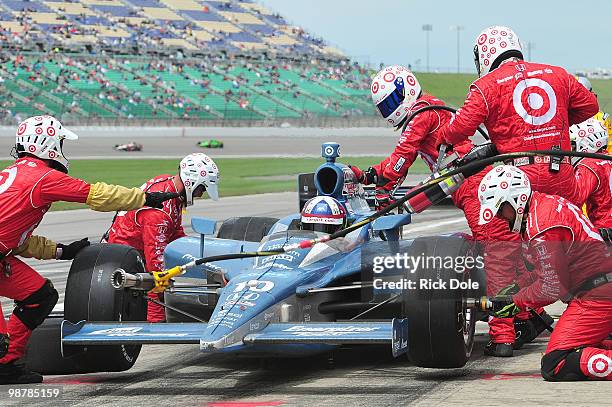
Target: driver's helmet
43 137
323 214
394 91
493 46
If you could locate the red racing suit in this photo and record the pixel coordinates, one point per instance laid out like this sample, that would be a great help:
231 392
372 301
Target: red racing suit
527 106
594 178
567 251
422 137
149 230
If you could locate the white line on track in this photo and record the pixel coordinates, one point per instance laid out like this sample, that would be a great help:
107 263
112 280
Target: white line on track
432 225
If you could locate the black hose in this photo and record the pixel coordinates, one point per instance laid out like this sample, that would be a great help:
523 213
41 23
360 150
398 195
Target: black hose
473 168
438 107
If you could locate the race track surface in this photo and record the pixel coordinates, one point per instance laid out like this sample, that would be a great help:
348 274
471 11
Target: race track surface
178 375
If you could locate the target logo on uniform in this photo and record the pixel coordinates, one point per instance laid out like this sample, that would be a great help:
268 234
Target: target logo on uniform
22 128
599 365
50 131
187 183
410 80
484 48
482 39
523 198
504 33
591 130
483 188
503 44
491 40
183 165
493 50
38 118
494 32
520 211
486 62
535 101
375 87
503 185
389 77
51 154
412 92
487 214
38 130
202 173
31 148
581 133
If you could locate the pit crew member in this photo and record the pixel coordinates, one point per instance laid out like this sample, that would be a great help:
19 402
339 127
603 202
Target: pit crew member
397 93
603 118
38 178
150 230
593 176
572 263
524 106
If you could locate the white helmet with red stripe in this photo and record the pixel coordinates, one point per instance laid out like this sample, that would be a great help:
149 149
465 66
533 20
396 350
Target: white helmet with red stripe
505 183
590 136
323 214
394 90
493 46
199 169
43 137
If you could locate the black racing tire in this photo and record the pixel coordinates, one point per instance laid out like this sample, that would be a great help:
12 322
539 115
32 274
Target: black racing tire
440 328
248 228
91 297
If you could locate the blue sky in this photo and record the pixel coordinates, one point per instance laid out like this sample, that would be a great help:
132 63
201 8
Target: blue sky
567 33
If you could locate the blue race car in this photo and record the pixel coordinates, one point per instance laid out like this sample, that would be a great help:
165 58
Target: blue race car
300 302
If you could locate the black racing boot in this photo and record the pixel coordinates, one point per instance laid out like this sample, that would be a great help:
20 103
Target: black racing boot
528 330
501 350
16 373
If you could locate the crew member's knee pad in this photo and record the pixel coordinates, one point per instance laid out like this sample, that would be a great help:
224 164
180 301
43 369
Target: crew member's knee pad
562 366
33 310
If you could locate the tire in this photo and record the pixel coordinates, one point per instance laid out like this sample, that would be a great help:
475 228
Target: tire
249 228
440 328
91 297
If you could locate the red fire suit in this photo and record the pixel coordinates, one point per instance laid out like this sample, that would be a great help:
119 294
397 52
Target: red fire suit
594 178
527 106
149 230
27 190
422 137
567 251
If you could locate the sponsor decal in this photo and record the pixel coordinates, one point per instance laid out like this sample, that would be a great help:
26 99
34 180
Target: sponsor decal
302 330
599 365
133 331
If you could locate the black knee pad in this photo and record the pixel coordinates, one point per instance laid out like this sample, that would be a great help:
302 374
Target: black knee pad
570 371
33 310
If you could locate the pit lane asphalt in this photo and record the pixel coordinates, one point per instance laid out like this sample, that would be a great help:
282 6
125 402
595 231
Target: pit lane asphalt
179 375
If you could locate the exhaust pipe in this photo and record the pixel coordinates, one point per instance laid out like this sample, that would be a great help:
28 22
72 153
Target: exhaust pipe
121 279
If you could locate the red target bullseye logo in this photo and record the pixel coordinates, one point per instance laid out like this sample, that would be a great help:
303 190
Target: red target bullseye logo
50 131
534 100
523 198
410 80
491 40
38 118
187 183
389 77
483 188
503 44
504 33
482 39
412 92
494 32
375 87
202 173
486 62
591 130
31 148
22 128
183 165
599 365
487 214
484 48
493 50
38 130
51 154
503 185
581 133
520 211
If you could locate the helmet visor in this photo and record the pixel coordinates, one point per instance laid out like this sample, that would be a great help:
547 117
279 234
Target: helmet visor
390 104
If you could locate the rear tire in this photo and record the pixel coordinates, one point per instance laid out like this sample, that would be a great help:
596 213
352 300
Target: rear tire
248 228
91 297
440 328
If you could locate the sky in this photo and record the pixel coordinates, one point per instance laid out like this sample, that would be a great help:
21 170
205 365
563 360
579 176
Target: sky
571 34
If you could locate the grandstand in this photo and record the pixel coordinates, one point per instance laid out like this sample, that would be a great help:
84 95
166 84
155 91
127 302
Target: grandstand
122 60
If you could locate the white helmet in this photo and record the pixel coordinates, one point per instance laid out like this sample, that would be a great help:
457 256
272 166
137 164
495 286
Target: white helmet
199 169
43 137
590 136
394 90
494 45
585 82
504 184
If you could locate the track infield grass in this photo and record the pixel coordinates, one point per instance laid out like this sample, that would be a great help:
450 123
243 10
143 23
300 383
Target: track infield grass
239 176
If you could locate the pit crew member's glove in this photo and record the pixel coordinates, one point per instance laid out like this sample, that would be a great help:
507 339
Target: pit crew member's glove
382 198
366 177
606 233
503 306
68 252
4 343
509 289
156 199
